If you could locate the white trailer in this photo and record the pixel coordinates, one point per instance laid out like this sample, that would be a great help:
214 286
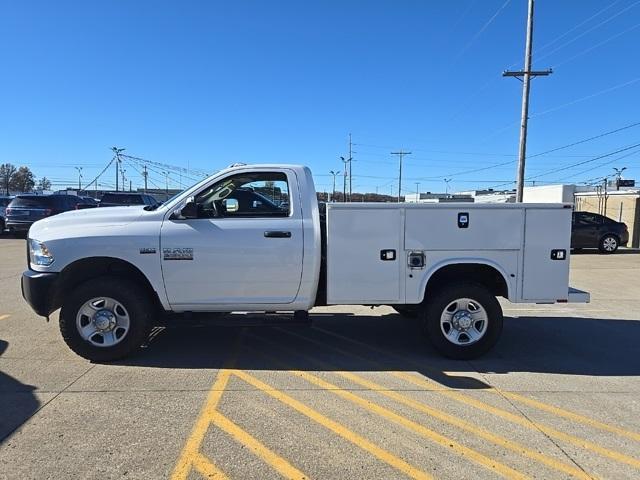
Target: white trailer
253 238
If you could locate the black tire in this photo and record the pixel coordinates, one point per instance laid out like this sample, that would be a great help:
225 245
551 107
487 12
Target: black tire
133 298
609 243
405 311
443 298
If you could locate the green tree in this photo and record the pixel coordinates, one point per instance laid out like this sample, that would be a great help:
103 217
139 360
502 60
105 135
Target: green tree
22 180
7 171
44 184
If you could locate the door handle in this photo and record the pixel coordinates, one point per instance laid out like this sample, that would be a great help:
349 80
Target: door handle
277 234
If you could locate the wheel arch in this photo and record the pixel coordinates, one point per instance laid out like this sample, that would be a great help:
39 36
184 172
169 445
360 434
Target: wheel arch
482 271
89 268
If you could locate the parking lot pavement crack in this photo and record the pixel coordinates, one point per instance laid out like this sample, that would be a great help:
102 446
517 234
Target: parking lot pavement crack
531 421
35 412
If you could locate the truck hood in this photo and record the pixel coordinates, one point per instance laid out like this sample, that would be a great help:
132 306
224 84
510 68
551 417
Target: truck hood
81 222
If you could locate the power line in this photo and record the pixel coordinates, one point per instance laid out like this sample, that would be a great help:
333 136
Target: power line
575 27
482 29
599 44
607 20
98 176
575 164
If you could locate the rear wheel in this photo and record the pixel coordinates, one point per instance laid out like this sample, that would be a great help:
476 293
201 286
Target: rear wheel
463 321
106 319
608 244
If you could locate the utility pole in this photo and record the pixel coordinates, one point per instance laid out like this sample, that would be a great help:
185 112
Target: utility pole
122 171
417 192
350 173
526 75
400 154
619 176
145 174
333 195
344 182
117 151
79 169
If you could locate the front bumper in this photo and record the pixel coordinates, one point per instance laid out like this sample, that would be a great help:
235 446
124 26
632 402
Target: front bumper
39 290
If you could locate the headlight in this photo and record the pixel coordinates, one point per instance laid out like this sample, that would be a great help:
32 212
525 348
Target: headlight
39 253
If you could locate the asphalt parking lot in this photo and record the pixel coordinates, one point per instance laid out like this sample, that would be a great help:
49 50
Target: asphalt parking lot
357 395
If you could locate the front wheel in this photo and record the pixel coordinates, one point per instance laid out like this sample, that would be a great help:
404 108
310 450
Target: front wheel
463 321
106 319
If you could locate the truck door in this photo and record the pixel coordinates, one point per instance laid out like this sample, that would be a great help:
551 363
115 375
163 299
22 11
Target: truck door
242 243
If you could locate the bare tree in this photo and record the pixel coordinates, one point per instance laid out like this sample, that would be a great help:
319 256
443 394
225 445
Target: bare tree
7 171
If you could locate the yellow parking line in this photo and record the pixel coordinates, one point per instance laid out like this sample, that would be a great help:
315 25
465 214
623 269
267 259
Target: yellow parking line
462 398
513 396
2 317
570 415
278 463
435 437
204 467
190 452
525 422
442 416
335 427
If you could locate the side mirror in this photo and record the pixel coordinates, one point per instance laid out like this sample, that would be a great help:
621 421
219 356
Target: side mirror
190 210
231 205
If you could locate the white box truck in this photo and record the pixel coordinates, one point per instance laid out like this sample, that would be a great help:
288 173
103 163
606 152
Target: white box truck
253 238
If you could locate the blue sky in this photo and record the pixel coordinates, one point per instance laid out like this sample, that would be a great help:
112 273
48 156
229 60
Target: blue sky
206 84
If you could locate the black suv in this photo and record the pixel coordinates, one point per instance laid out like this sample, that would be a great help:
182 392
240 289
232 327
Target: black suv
26 209
125 199
591 230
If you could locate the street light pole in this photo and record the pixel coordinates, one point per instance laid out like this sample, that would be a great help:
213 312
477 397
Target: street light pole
619 176
79 169
333 195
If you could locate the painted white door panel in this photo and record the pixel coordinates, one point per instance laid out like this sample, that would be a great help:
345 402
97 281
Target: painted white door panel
233 261
544 278
356 273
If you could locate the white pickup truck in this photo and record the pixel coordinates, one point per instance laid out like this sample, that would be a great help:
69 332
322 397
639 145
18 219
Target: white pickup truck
253 238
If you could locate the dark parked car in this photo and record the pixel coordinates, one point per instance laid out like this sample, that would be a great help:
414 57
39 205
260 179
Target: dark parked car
591 230
26 209
126 199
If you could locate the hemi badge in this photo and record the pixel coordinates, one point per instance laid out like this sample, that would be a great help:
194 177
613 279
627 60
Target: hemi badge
177 253
147 250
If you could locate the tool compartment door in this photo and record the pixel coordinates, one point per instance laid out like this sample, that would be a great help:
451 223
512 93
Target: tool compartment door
364 255
545 274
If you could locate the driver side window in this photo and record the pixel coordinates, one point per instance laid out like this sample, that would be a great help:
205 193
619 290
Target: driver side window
254 194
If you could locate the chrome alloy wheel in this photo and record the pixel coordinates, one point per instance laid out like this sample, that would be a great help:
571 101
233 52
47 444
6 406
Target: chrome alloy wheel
102 321
609 244
464 321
